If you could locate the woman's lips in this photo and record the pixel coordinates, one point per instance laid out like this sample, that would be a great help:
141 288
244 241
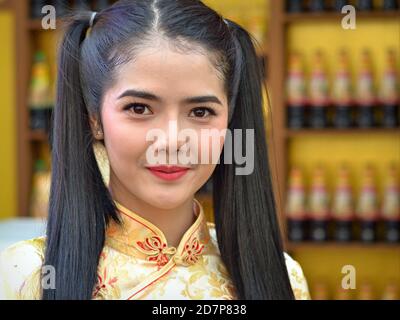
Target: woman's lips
168 173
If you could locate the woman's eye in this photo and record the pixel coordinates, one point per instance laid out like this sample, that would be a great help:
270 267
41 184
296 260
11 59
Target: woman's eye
202 112
138 108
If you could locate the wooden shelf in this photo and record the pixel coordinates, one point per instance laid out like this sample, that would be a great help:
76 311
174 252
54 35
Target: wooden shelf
330 15
342 245
331 131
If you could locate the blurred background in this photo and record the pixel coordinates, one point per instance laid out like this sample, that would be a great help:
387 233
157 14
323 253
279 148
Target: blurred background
332 118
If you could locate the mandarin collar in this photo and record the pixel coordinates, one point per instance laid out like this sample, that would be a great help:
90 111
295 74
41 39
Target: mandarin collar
138 237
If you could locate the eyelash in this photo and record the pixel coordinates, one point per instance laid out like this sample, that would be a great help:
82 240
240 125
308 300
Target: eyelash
131 106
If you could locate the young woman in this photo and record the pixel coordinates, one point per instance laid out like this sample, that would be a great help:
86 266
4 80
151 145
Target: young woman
133 67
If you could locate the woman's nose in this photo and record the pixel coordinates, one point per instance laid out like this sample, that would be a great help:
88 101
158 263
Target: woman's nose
170 140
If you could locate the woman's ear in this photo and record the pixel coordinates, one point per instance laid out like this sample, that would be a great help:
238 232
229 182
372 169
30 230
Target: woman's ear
96 128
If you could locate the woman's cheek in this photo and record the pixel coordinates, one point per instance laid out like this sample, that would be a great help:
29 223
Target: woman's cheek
124 145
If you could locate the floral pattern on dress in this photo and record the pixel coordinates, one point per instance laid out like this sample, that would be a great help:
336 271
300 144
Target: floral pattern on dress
156 250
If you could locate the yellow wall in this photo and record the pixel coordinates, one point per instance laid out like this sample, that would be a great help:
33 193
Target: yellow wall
8 159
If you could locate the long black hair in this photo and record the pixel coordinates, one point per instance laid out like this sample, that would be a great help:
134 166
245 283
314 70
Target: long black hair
80 203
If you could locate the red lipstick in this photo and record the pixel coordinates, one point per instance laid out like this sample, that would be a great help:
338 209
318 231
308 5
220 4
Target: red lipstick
168 173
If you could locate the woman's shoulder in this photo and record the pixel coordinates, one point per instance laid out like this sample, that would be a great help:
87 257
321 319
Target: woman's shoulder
19 263
297 279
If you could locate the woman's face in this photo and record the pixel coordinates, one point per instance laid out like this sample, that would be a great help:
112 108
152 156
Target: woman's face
169 79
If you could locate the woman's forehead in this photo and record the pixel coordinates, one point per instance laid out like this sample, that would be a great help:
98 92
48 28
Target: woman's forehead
169 73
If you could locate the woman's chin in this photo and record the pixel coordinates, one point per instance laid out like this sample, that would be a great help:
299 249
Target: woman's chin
167 200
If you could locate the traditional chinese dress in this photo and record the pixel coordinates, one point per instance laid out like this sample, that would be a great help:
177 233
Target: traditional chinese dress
137 263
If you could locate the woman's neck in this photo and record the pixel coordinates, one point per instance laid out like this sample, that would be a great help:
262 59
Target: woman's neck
172 222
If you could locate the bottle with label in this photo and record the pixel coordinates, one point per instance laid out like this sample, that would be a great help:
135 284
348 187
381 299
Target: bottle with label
40 101
343 207
389 92
319 95
318 211
366 98
367 207
391 205
296 206
296 92
342 94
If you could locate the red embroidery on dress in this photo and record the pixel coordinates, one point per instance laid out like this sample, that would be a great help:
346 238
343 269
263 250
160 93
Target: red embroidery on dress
192 251
157 250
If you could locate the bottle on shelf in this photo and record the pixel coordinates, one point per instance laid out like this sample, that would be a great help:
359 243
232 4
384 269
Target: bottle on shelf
296 206
40 101
367 207
296 92
365 5
343 206
318 93
391 205
342 93
294 6
318 209
366 98
390 5
389 92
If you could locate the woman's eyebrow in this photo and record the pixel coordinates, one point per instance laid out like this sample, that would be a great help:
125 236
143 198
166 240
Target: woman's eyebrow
151 96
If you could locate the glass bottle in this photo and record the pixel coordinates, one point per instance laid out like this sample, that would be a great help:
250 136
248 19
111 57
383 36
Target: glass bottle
319 95
342 209
342 94
366 98
296 206
319 205
296 92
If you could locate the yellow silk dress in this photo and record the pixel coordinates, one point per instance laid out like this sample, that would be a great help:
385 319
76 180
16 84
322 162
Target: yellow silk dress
137 263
